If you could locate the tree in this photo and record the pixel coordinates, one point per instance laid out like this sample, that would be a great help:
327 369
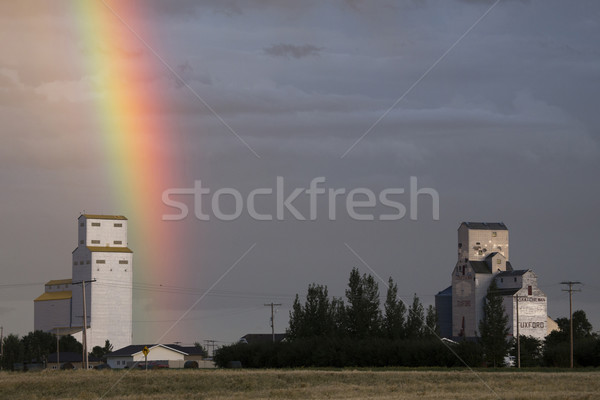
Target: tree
203 351
494 328
70 344
37 345
531 351
581 326
416 319
363 315
557 348
13 351
431 322
100 352
394 310
315 317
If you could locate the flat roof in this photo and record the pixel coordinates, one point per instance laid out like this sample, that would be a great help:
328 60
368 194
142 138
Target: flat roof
63 295
109 249
59 282
495 226
101 216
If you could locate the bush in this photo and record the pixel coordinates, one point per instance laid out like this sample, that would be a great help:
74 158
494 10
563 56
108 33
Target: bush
347 352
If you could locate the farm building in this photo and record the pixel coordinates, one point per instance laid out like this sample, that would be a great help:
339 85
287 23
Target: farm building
104 261
483 256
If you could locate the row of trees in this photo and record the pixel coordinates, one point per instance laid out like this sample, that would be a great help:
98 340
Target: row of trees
361 317
36 346
328 331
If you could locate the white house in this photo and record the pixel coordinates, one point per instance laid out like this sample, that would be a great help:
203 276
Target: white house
171 355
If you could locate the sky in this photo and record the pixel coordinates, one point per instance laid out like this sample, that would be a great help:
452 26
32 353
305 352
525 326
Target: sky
494 105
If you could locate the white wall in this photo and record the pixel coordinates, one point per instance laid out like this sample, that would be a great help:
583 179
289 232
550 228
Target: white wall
468 238
111 299
159 354
104 235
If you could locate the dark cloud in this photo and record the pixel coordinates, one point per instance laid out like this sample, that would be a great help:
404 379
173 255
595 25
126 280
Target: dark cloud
289 50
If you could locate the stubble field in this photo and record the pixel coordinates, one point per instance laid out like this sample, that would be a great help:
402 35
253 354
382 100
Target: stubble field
299 384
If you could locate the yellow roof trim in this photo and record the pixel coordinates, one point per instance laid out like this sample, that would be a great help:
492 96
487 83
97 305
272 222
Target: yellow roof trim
110 249
100 216
66 294
59 282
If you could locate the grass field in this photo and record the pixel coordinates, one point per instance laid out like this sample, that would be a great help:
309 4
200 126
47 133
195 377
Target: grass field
299 384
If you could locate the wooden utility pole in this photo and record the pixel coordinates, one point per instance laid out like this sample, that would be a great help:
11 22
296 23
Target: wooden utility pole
272 305
209 343
571 290
57 350
518 336
85 360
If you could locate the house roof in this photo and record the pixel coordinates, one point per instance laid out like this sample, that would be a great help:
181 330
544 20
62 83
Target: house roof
480 267
493 226
507 292
63 295
445 292
109 249
517 272
137 348
69 356
59 282
100 216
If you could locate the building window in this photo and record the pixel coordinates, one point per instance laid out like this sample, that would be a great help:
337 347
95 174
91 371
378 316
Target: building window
118 225
529 290
100 261
494 234
81 242
95 223
123 262
498 261
118 242
515 279
74 262
80 262
81 224
501 280
87 262
460 245
95 242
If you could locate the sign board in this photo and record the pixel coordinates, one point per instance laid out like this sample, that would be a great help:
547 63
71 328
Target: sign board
145 350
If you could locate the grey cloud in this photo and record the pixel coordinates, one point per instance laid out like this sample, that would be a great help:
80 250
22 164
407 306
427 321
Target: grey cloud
290 50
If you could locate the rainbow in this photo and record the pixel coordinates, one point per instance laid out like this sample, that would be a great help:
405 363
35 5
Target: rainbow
134 135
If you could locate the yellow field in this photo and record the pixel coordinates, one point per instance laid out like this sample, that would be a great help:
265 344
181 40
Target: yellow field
298 384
